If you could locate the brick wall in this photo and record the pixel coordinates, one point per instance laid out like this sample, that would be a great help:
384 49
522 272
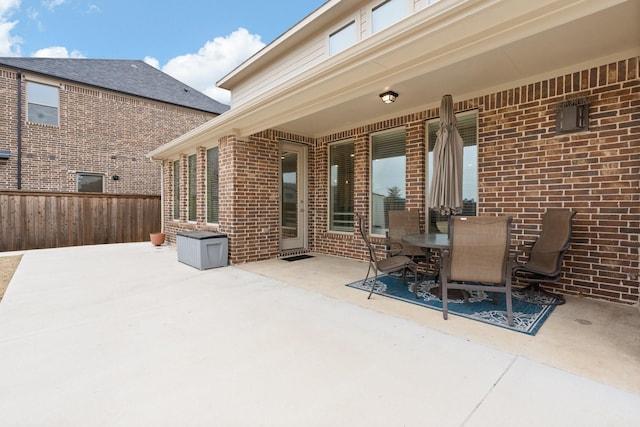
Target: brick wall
100 132
249 195
524 168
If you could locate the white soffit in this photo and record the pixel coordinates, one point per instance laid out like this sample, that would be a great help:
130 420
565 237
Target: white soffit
457 47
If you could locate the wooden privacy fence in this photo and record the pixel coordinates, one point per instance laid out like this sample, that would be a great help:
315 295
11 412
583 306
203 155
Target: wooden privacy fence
35 220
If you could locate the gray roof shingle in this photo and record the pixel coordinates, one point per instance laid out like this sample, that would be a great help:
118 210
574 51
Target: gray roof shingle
133 77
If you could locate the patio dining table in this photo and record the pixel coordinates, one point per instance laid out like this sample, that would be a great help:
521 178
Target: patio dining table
429 242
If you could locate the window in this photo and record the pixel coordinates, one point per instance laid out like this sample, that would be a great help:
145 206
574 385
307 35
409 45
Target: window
387 13
42 104
90 182
388 174
343 38
468 130
176 189
192 188
212 185
341 186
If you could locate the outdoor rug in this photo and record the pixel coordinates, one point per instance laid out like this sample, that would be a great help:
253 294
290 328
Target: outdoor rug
527 318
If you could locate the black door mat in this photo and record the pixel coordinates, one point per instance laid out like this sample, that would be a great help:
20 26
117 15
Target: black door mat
296 257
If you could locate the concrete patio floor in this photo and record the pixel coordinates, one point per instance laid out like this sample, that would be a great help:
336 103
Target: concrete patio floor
124 335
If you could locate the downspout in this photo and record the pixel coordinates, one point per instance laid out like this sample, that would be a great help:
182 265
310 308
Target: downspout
19 130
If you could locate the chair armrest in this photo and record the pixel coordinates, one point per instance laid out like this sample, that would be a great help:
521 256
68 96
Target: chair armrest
394 248
522 250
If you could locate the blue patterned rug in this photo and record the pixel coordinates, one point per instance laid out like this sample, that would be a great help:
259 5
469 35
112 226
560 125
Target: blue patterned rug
527 318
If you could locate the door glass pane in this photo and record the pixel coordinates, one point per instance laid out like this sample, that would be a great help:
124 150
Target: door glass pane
289 208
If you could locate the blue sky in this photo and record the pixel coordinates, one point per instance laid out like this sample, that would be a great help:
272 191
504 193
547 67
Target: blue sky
196 41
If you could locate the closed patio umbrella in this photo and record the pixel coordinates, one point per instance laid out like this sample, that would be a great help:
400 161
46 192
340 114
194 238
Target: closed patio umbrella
445 194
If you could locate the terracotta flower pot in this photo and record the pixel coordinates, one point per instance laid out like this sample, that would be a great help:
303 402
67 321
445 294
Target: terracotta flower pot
157 239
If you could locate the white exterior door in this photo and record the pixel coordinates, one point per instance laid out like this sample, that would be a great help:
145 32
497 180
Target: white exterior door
293 196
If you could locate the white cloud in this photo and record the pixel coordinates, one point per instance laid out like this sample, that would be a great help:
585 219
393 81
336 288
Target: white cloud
9 45
213 61
152 61
52 4
57 52
94 8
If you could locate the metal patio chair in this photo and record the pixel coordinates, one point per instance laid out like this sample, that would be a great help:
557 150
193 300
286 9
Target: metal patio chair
402 223
387 265
478 258
544 264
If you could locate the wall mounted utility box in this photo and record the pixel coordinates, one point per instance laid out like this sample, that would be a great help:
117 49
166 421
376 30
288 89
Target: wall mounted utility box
202 249
5 154
573 117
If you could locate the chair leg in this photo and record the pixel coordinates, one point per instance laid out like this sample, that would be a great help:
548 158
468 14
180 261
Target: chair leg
535 292
373 284
415 280
507 297
445 300
364 282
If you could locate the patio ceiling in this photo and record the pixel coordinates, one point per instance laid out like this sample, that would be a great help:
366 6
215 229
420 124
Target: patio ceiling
467 66
463 48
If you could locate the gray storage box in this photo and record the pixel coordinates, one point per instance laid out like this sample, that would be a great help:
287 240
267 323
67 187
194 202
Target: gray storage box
202 249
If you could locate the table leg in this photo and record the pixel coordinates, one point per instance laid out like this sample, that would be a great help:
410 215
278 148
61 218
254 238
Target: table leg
453 294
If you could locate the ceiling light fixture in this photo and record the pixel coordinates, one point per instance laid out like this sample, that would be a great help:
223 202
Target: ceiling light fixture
388 97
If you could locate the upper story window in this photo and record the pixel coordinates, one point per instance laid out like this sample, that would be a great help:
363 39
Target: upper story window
43 102
387 13
343 38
